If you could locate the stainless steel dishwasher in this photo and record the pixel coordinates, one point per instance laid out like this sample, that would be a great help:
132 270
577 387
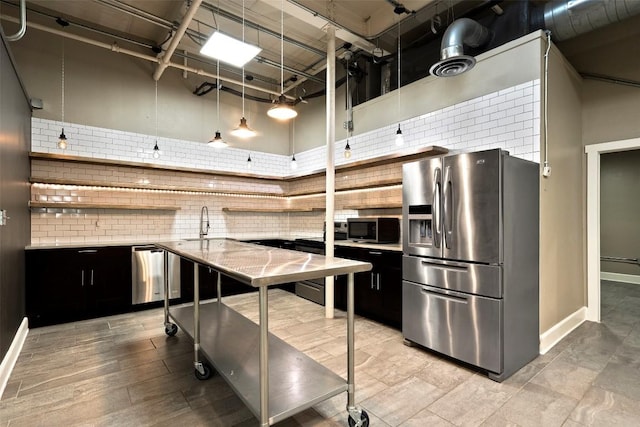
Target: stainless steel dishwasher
147 274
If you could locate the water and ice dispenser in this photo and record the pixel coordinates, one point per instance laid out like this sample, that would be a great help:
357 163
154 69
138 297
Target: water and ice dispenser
421 225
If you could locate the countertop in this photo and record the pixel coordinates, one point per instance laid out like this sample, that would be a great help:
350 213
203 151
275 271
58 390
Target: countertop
349 243
258 265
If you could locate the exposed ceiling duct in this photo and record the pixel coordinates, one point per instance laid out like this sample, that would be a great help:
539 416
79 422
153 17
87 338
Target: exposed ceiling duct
453 61
569 18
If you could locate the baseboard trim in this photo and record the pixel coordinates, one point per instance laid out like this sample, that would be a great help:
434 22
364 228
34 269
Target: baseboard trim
619 277
9 360
552 336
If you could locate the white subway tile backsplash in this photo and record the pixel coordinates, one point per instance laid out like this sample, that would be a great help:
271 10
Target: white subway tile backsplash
508 119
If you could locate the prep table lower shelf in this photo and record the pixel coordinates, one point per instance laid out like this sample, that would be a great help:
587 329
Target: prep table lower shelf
231 342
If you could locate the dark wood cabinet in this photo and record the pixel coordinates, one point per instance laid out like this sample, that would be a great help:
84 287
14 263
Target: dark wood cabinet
64 285
208 283
378 293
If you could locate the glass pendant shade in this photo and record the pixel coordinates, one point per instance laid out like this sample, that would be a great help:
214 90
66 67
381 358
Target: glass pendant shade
347 150
217 141
249 162
243 130
399 137
294 163
281 110
62 141
156 151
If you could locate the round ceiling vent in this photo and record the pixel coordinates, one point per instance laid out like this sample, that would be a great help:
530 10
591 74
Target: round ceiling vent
453 66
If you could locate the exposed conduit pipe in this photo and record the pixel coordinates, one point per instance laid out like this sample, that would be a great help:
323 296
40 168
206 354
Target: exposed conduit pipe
165 60
570 18
609 79
23 23
115 48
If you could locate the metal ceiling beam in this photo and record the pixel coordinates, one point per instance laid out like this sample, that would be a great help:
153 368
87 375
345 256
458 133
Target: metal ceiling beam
138 13
164 61
313 18
115 48
258 27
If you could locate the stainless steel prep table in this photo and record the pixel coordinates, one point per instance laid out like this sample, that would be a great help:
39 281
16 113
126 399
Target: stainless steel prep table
274 379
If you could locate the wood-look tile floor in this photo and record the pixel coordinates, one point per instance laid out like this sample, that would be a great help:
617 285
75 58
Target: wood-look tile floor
124 371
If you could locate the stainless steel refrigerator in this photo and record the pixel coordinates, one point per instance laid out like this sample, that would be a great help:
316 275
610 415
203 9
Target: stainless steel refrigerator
470 265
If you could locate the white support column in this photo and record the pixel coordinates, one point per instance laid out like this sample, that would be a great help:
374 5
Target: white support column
331 178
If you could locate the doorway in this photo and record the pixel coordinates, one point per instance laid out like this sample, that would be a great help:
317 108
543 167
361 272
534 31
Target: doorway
594 152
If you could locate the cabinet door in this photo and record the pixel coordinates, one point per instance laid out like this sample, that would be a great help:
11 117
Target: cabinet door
208 283
378 293
340 292
108 273
55 287
208 280
232 286
389 286
367 299
391 294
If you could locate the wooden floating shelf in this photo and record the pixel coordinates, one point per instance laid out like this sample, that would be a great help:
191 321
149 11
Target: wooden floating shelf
401 156
339 188
143 165
72 205
129 186
274 210
383 206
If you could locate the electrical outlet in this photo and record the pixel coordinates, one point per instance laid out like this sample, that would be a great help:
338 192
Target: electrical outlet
546 171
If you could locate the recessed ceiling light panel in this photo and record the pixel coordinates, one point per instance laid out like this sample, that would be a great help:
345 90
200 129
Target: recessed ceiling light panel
229 50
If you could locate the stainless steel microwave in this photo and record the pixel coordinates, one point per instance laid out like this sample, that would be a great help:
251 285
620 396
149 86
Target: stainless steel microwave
377 230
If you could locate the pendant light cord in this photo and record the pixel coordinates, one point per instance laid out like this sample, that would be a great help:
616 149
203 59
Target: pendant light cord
243 65
348 104
156 112
62 76
281 47
218 92
398 71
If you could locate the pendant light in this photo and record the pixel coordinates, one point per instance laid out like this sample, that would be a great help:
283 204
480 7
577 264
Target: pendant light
243 130
249 162
347 148
294 163
217 141
399 136
62 139
281 110
156 149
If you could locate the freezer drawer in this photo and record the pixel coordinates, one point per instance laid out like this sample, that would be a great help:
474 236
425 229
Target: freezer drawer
465 327
479 279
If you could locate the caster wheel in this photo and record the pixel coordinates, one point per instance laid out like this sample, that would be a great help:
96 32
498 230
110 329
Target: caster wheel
206 375
171 330
364 420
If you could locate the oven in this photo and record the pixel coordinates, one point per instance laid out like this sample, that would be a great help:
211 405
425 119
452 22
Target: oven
312 290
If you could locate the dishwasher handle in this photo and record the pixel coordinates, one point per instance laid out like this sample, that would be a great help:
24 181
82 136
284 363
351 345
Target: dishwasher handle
146 248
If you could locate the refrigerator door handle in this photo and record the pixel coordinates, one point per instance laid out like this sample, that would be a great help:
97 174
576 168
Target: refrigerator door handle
448 296
447 200
437 195
448 266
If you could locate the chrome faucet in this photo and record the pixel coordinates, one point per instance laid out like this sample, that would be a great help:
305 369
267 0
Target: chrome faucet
204 221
